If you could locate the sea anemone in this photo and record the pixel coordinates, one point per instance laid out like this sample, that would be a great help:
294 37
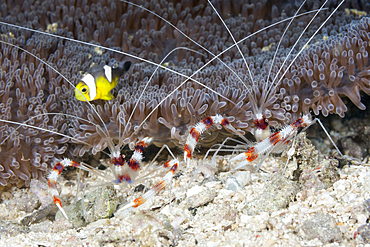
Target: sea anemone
27 98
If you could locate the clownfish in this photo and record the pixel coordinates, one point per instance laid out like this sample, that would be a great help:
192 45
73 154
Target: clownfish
99 82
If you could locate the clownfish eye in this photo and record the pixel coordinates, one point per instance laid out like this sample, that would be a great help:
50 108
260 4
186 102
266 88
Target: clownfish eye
84 90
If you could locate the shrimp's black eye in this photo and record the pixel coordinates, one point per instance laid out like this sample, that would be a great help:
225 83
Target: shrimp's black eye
84 90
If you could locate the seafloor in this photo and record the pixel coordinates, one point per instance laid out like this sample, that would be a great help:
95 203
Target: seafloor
313 204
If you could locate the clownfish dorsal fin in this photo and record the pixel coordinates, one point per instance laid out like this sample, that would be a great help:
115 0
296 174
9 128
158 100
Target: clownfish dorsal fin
118 71
108 72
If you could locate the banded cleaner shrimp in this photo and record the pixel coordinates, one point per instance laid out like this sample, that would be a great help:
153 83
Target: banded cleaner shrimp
122 172
277 141
131 141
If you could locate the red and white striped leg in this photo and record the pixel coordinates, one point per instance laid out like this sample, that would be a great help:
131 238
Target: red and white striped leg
52 177
275 143
155 190
199 128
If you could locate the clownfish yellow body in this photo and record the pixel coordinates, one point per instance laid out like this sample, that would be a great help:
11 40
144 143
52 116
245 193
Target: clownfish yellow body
99 82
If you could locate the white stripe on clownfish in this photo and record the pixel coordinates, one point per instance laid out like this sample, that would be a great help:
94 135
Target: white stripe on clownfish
89 80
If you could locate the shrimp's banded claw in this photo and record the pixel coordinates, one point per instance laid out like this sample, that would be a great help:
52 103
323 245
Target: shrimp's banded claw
122 170
174 164
275 143
57 170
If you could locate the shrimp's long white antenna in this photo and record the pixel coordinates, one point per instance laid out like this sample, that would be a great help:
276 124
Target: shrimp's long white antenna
291 50
309 40
177 29
254 101
42 129
265 92
51 113
143 91
210 61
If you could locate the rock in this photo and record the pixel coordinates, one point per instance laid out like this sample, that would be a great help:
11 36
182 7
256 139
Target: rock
352 148
305 153
367 205
23 201
255 223
153 230
40 214
276 195
360 213
99 204
142 222
321 226
10 229
238 181
321 177
198 196
41 190
364 232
